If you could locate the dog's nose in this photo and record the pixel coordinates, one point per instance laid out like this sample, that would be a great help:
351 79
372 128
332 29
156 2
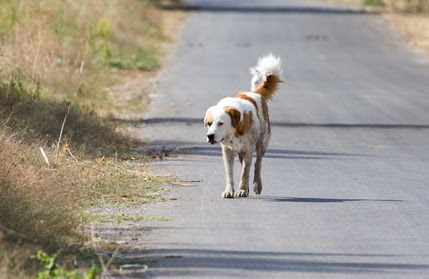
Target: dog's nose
211 137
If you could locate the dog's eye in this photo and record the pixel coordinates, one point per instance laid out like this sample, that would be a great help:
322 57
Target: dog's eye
220 123
209 124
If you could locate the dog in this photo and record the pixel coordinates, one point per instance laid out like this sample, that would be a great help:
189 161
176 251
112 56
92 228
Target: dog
241 124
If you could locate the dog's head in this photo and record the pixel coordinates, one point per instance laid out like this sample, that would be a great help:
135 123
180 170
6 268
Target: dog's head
221 122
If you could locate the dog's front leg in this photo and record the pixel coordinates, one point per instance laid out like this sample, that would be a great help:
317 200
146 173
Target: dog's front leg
243 189
228 160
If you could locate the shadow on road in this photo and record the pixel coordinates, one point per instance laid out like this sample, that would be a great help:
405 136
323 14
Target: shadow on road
201 148
277 10
200 121
320 200
172 148
183 262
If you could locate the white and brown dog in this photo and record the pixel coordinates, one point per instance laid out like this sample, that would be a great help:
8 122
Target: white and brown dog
242 122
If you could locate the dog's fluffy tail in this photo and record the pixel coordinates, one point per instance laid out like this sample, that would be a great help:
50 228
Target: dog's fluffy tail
267 76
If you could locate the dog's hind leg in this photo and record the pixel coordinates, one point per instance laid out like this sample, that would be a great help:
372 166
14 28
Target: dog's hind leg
257 181
228 160
243 189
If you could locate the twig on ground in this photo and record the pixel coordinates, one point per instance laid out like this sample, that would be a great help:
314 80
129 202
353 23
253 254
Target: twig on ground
82 64
45 157
61 134
68 149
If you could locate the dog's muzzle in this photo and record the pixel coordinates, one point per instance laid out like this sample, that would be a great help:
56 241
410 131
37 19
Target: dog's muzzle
210 138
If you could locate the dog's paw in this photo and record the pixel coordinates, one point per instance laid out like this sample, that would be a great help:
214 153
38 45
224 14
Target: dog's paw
241 193
227 195
257 188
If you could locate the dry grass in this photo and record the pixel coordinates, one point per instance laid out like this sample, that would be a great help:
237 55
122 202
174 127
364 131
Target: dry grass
42 204
37 202
38 205
41 119
411 18
407 6
414 27
70 47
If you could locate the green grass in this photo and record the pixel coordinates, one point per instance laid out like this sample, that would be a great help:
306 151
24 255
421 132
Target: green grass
9 16
374 3
116 185
53 271
142 60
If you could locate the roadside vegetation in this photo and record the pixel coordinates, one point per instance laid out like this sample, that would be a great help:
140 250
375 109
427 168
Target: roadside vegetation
409 17
58 157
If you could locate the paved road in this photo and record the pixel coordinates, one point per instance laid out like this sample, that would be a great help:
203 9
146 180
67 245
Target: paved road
346 177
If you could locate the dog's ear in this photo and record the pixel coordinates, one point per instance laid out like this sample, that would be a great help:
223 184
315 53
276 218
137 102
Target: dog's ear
208 119
235 115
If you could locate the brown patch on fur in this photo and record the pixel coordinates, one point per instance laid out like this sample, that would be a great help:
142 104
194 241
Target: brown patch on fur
247 98
265 114
245 125
269 87
235 115
209 119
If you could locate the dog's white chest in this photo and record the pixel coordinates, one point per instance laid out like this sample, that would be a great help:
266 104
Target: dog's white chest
233 143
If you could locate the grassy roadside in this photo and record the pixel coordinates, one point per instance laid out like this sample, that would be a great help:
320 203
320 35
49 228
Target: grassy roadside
409 17
58 157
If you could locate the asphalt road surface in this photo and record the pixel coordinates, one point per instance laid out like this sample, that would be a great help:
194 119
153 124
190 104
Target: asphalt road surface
346 176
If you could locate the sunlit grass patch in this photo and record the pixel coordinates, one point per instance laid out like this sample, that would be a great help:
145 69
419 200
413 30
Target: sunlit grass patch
115 185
